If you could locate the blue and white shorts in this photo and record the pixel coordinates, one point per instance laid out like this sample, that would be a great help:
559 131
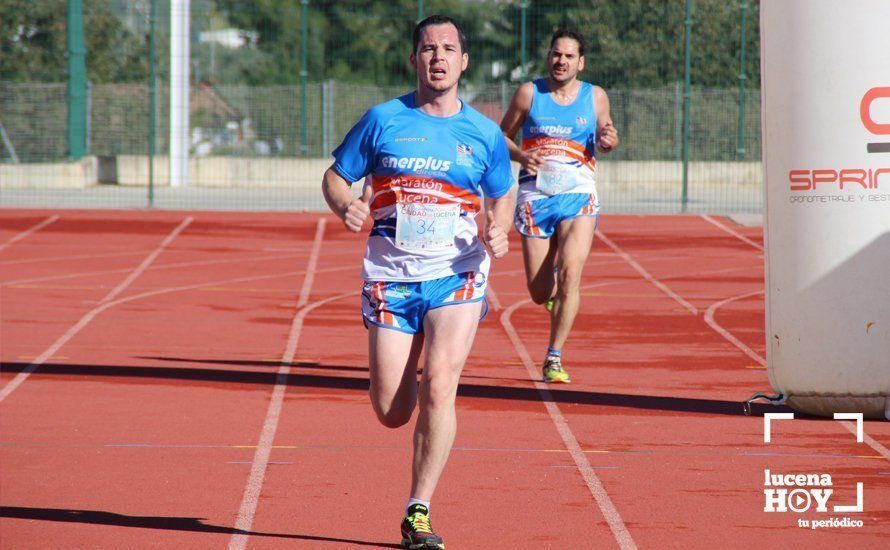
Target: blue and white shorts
403 305
539 218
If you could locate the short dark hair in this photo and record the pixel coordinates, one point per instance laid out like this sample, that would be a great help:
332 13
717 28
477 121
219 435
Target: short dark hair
568 33
439 19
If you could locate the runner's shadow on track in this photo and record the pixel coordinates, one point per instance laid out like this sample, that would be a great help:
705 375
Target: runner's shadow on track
295 365
256 363
622 400
196 525
298 379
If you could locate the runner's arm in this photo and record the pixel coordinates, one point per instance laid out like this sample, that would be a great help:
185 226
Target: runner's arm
606 134
499 219
338 195
513 120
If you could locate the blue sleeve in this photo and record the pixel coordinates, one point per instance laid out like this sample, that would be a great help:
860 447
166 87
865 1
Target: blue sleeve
498 178
354 158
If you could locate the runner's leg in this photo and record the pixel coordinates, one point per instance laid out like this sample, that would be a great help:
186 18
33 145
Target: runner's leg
539 256
449 335
575 237
393 356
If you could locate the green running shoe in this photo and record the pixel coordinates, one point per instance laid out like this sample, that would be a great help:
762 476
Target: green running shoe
417 533
548 305
553 371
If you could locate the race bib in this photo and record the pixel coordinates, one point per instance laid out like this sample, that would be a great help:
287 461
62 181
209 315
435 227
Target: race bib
426 226
555 177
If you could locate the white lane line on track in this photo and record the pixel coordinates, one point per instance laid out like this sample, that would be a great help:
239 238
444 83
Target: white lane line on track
646 275
732 232
73 257
312 265
709 319
147 261
27 232
870 441
607 508
254 485
13 284
493 298
286 252
108 305
709 314
153 268
613 517
85 320
197 286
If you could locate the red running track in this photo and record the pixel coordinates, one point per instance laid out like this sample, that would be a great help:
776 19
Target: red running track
198 380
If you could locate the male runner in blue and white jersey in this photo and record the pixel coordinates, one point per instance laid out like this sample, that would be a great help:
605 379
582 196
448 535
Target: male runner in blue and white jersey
565 122
431 158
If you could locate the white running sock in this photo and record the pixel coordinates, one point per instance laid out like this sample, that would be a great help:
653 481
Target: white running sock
413 501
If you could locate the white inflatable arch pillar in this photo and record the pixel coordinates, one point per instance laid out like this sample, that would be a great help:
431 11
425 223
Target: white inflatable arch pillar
825 69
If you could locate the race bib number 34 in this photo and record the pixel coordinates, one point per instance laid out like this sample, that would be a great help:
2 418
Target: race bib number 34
426 226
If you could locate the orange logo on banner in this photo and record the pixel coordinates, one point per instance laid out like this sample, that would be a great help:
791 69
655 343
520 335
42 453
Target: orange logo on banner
865 114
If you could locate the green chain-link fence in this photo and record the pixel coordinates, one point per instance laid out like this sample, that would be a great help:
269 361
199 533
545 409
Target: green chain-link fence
276 84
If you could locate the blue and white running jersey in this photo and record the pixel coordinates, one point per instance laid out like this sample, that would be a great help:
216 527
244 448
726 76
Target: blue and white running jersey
428 176
566 136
